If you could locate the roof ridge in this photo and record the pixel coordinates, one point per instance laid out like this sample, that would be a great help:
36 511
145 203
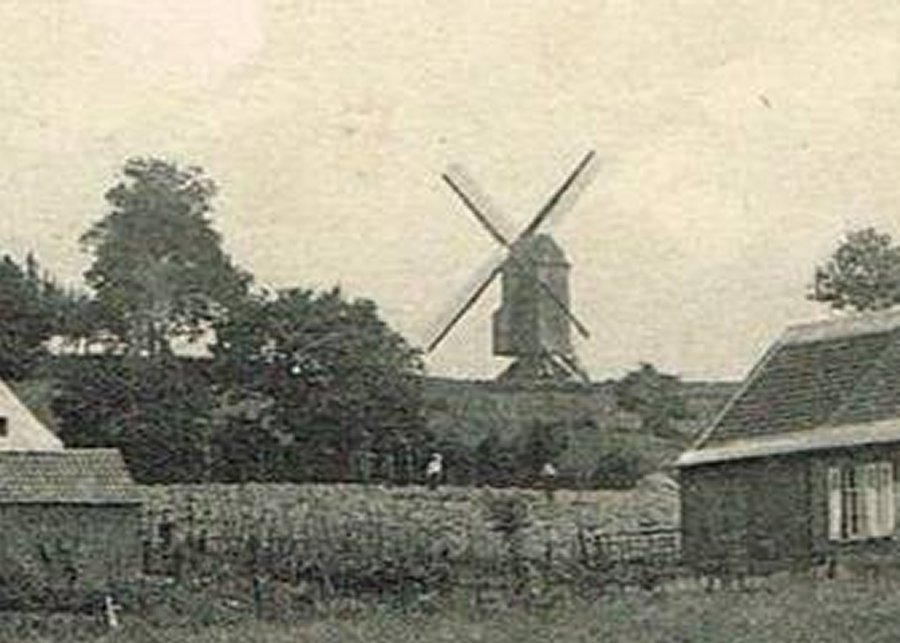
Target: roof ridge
846 325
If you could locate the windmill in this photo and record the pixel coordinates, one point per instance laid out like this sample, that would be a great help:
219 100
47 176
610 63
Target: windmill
534 321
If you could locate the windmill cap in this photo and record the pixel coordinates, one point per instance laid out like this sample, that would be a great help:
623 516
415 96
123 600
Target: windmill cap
541 248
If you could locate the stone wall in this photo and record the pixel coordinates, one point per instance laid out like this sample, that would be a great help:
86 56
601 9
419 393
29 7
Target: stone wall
322 521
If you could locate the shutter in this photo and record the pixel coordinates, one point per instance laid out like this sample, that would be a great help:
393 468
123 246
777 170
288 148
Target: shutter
834 503
886 471
870 490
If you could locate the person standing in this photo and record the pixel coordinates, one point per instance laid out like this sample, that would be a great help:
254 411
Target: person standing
434 471
549 475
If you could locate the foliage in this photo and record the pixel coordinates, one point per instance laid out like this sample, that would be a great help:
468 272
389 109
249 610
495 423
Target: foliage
33 309
654 396
335 381
495 461
863 273
542 442
460 466
243 449
26 320
488 425
156 411
159 271
619 467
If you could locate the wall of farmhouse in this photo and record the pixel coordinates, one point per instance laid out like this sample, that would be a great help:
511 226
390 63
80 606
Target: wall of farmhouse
87 545
752 516
773 513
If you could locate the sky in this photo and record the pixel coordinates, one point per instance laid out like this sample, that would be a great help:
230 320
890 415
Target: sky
737 143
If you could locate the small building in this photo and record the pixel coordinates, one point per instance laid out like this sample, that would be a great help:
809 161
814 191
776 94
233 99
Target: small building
801 465
69 517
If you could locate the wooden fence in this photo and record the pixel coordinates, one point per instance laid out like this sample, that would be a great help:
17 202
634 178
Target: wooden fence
656 546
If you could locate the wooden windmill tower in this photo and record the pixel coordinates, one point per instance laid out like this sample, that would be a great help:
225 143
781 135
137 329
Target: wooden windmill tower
533 324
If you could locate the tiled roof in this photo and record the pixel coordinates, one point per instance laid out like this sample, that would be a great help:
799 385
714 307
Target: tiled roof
86 476
827 374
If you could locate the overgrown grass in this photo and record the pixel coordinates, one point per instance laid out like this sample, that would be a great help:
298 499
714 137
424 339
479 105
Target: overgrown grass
799 611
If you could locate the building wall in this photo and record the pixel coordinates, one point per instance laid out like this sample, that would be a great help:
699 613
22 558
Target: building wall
515 322
753 516
528 320
90 544
554 326
771 513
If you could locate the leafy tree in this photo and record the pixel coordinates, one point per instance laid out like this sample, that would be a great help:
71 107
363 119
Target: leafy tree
863 273
338 381
81 320
244 451
156 411
26 320
654 396
159 271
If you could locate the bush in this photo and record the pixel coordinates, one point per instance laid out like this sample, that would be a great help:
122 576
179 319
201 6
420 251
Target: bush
155 411
619 468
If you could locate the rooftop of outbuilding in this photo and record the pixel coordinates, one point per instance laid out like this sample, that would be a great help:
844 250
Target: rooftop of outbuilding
70 476
840 372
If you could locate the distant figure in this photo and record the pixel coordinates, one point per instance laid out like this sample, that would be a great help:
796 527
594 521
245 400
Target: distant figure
111 611
548 479
434 470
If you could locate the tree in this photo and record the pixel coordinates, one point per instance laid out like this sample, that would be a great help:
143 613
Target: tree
157 412
339 382
26 319
159 271
863 273
654 396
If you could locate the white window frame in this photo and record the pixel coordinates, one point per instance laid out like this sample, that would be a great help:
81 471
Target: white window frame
861 501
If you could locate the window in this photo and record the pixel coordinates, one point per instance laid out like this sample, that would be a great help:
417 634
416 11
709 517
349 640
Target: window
4 426
861 501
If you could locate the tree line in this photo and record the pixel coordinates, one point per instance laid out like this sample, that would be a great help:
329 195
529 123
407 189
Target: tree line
296 384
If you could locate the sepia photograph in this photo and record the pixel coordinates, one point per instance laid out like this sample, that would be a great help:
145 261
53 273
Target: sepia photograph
420 322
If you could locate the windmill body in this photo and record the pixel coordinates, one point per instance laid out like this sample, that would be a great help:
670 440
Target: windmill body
528 321
530 325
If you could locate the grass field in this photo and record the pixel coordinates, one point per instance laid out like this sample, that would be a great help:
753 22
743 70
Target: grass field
798 611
